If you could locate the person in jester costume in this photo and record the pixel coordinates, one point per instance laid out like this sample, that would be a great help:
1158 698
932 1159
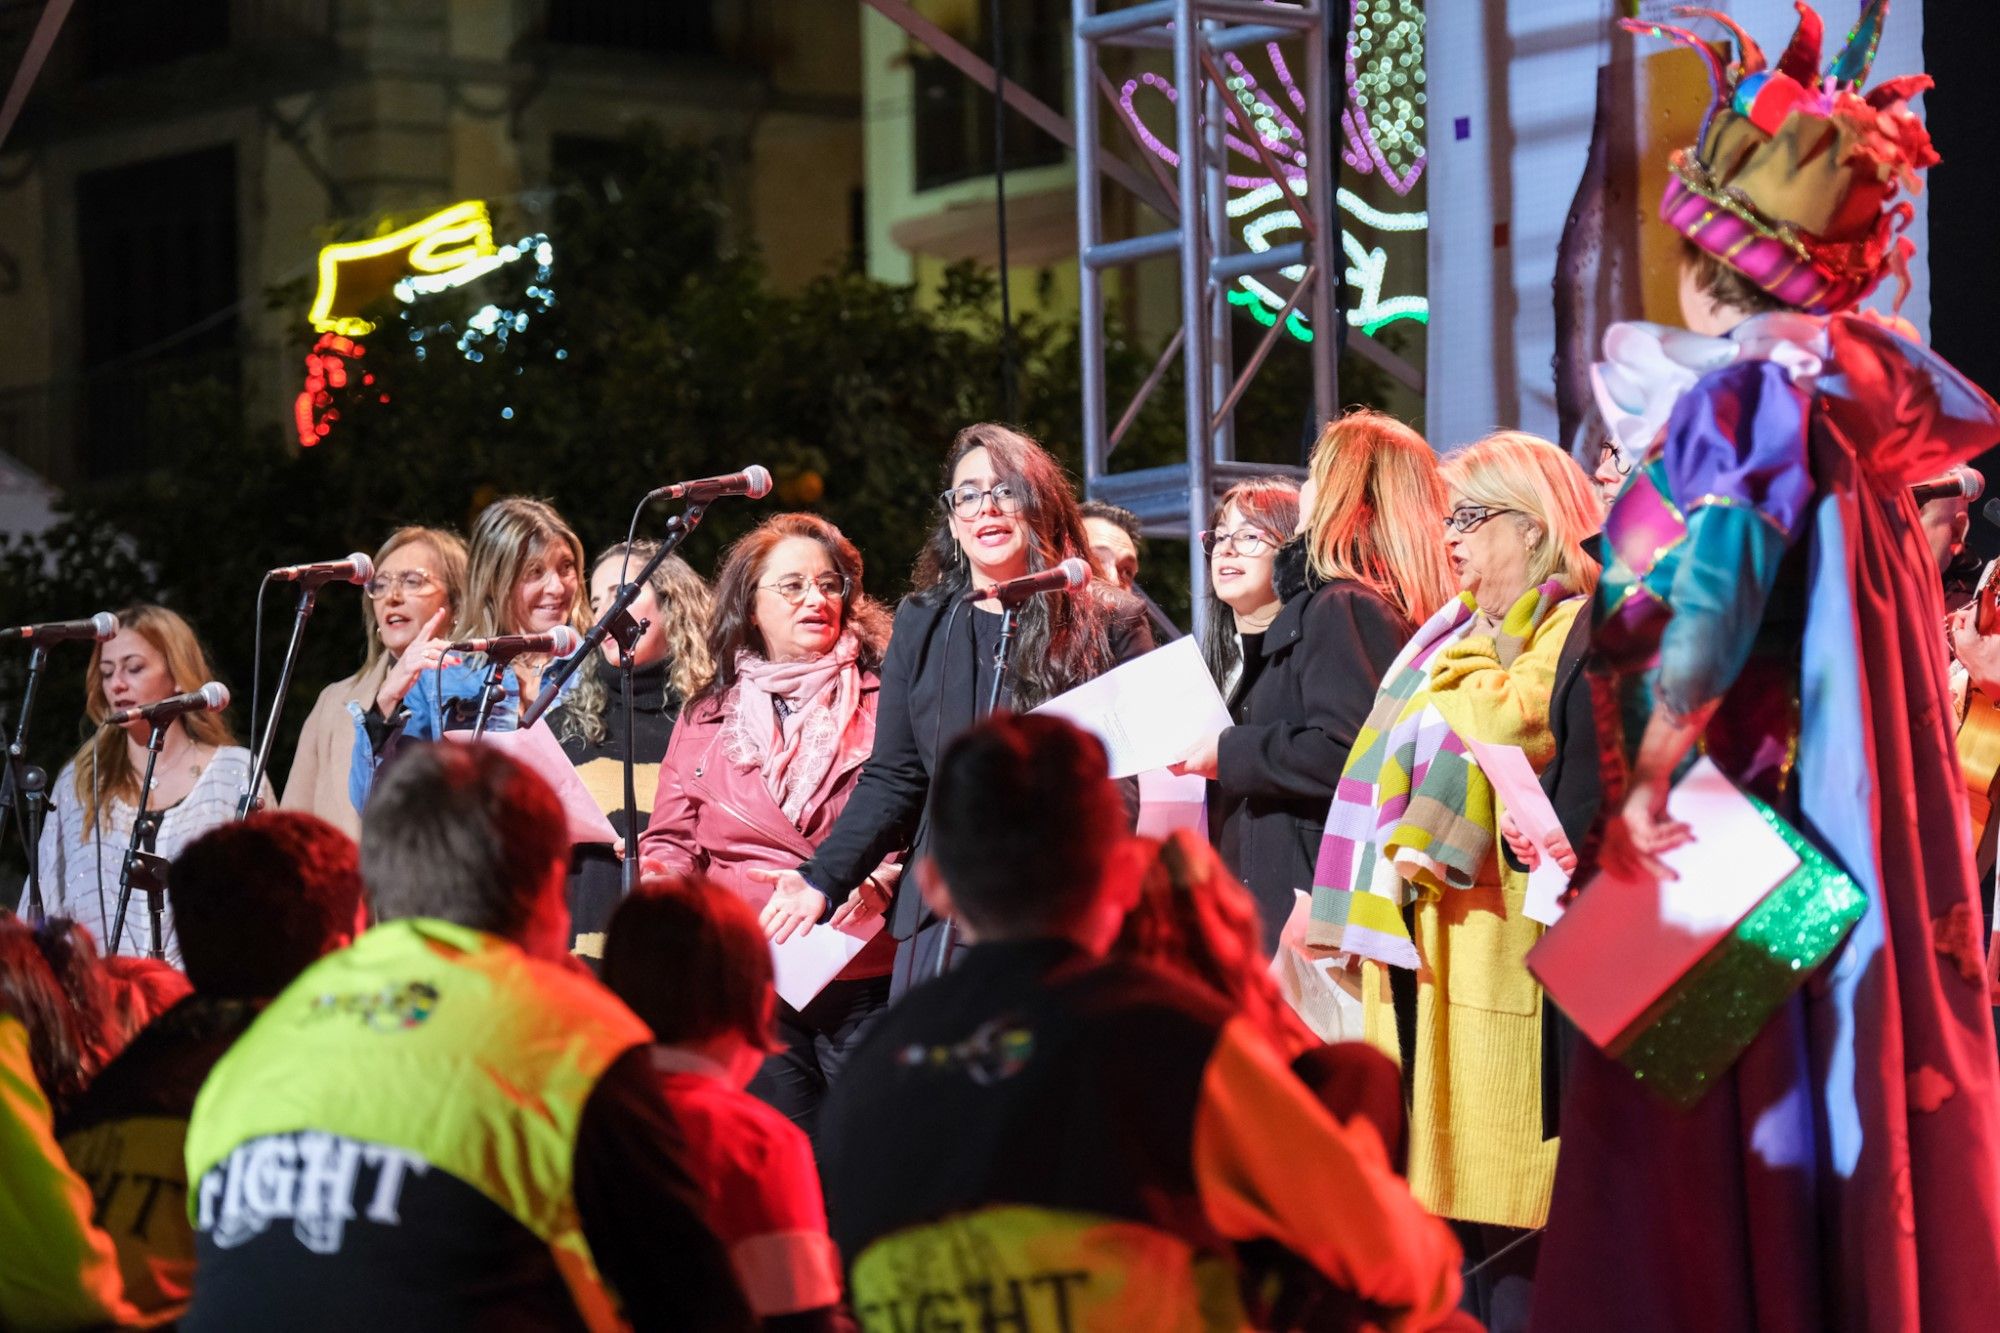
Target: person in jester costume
1768 600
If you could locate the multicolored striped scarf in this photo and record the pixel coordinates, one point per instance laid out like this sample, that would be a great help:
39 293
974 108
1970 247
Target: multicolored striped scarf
1411 807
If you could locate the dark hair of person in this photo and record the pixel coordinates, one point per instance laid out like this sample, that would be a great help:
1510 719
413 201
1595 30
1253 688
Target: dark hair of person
1064 638
732 627
1024 816
1270 505
258 900
71 953
30 992
1724 285
1112 513
691 961
465 834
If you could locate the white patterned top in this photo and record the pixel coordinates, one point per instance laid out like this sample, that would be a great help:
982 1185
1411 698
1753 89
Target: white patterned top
79 866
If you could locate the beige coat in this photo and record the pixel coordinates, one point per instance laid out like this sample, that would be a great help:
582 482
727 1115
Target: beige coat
318 780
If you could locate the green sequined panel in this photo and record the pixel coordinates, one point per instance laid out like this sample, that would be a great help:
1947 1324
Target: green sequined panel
1698 1028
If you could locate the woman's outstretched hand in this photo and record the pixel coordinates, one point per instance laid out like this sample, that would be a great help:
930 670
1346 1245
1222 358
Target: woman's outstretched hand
795 906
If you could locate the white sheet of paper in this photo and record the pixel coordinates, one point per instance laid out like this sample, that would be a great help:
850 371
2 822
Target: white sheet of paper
805 963
1168 801
1149 711
1547 883
538 748
1521 796
1623 942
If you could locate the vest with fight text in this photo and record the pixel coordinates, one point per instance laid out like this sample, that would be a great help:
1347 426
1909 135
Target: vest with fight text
443 1042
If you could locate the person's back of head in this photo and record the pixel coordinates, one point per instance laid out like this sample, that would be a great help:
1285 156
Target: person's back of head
691 961
258 900
1024 819
31 994
465 834
1193 918
141 990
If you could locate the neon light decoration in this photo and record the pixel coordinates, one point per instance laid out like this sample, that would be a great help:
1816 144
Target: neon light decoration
327 369
352 274
488 328
446 252
1382 126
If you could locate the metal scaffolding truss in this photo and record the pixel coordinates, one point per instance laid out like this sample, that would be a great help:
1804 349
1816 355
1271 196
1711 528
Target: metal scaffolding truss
1192 196
1175 500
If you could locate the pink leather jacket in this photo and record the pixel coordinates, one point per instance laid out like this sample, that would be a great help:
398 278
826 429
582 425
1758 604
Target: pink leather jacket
717 817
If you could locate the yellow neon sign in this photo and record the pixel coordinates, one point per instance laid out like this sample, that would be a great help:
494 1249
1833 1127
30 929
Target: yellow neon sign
354 273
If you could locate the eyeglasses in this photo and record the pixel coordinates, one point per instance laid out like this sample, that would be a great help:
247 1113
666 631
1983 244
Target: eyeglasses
1613 453
1467 517
833 587
1243 541
411 581
968 501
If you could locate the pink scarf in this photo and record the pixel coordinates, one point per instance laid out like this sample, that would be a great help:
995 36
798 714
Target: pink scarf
796 749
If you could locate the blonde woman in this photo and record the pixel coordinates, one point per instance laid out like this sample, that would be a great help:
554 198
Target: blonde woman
197 781
418 572
669 664
1412 881
524 575
1367 566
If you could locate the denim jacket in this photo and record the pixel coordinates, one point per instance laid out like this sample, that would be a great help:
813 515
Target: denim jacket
445 698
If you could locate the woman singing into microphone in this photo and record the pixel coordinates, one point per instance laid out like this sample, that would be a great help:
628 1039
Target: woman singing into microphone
1006 511
524 576
197 780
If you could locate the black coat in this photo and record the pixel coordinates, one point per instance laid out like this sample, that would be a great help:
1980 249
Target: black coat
928 697
1323 659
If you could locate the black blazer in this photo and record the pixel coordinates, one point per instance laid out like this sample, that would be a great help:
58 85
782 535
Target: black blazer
1324 657
927 699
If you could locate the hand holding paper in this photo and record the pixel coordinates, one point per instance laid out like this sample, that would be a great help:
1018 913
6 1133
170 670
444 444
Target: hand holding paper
1150 712
1534 822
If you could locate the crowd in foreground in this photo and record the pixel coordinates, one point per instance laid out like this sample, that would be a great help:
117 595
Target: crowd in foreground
1051 1078
446 1122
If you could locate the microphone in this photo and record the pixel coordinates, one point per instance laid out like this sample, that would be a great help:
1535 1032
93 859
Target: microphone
1071 573
558 642
1961 481
753 481
210 698
99 627
357 568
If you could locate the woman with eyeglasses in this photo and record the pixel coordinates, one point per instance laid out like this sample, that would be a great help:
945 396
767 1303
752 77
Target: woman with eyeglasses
765 757
524 575
1413 881
1007 510
669 663
419 572
1367 564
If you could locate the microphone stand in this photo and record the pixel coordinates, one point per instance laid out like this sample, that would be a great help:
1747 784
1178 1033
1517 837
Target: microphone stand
494 690
1003 654
308 595
617 622
27 790
142 869
678 528
627 631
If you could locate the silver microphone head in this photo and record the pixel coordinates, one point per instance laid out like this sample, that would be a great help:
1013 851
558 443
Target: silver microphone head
1075 572
104 625
759 479
364 569
215 695
1971 480
563 640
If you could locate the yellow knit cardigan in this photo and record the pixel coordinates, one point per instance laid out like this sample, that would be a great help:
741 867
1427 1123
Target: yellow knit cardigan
1476 1146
